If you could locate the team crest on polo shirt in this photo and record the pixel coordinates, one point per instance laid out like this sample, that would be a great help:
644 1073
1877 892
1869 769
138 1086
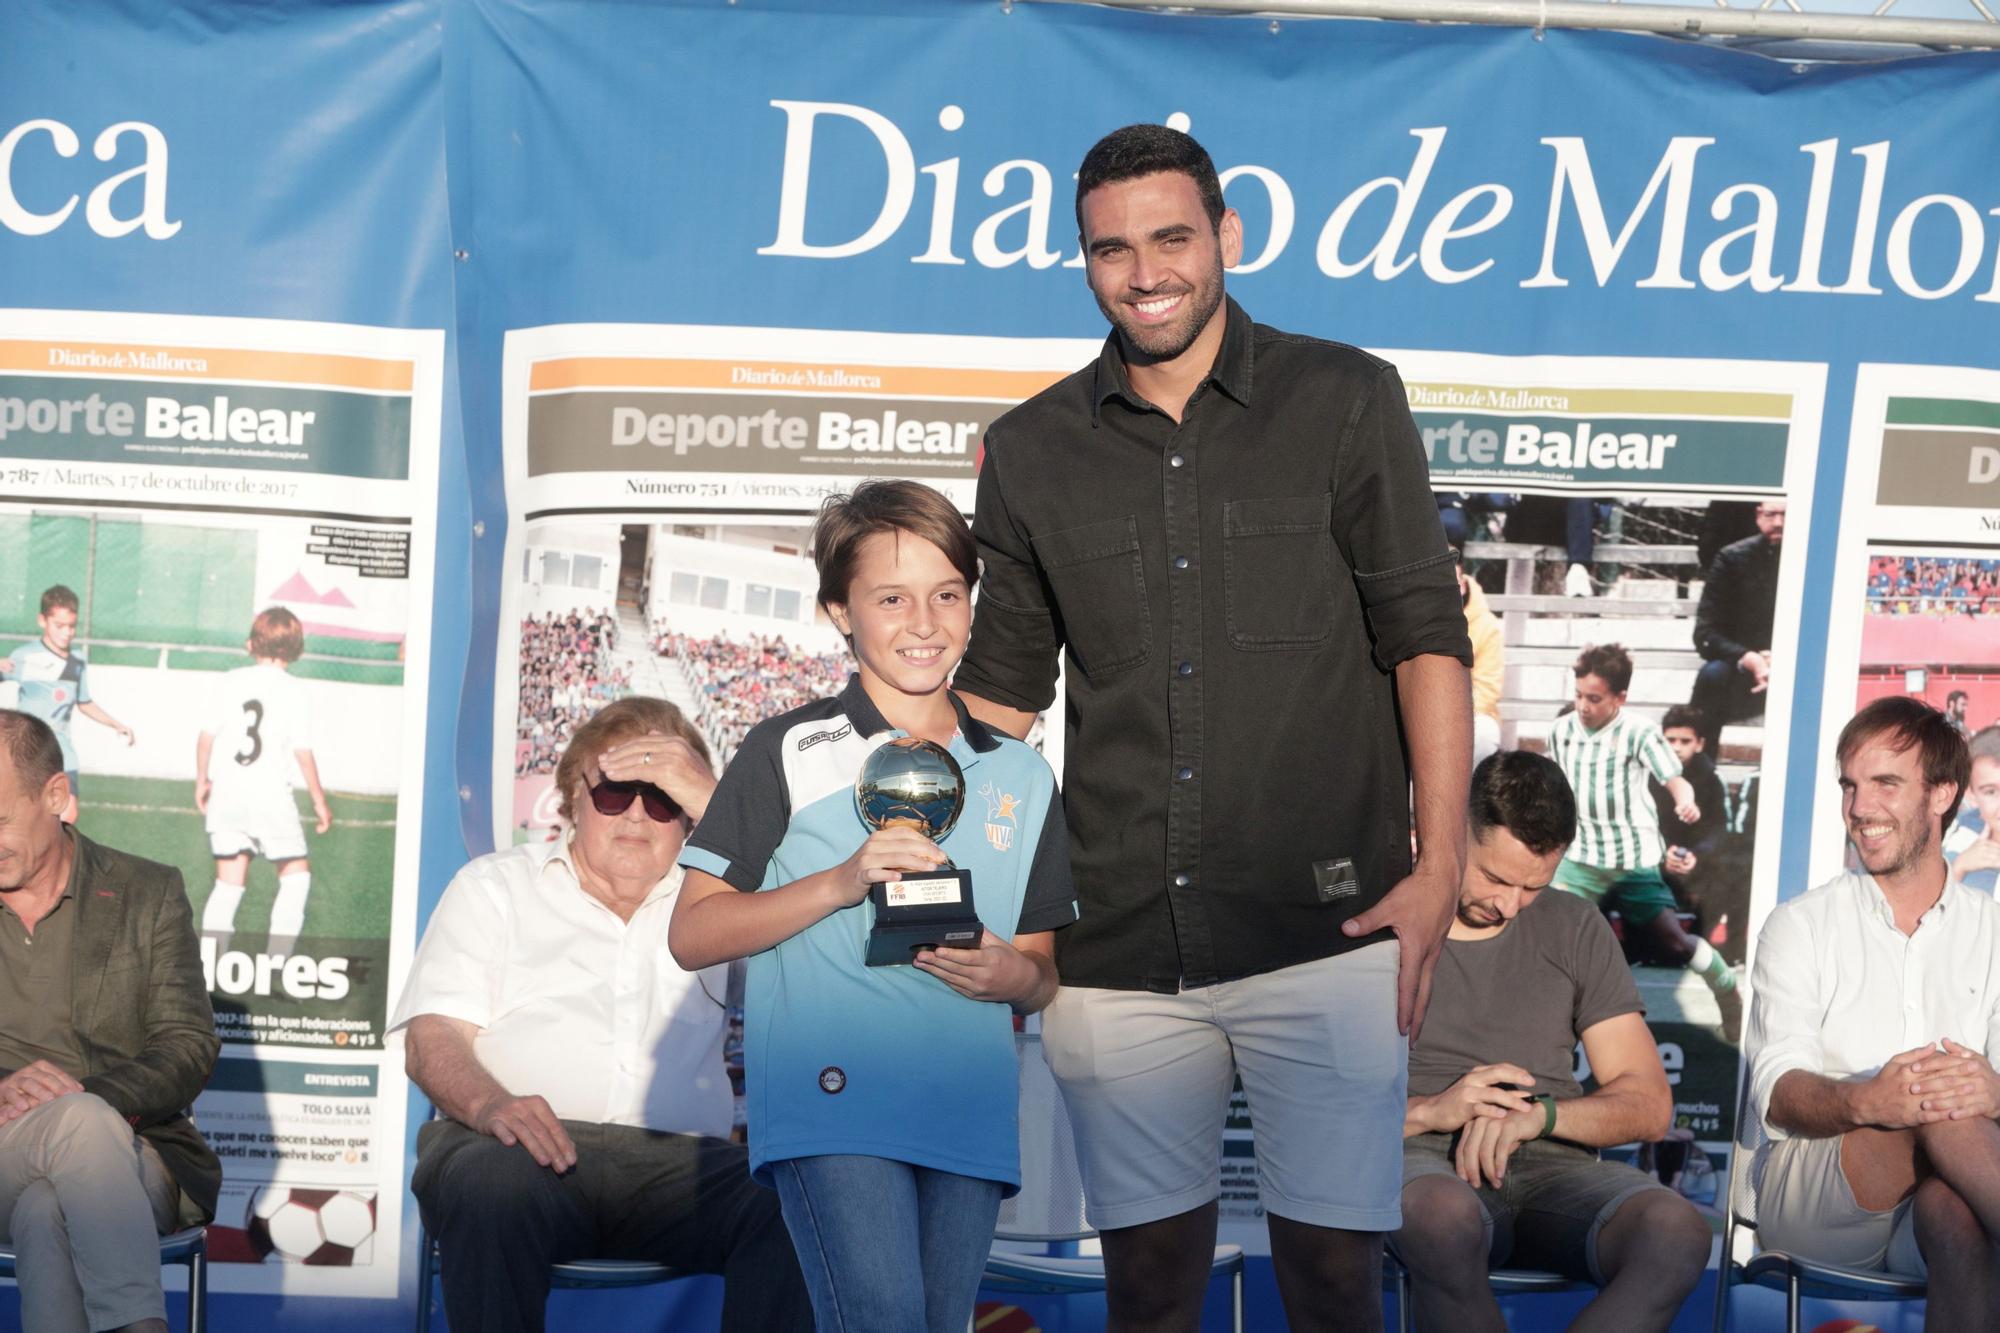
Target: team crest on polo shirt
832 1079
1000 819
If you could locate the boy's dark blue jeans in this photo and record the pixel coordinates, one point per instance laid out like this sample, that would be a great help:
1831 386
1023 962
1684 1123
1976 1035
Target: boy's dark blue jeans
887 1247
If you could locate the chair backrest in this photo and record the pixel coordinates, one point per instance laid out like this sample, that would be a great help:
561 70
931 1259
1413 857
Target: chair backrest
1050 1204
1739 1233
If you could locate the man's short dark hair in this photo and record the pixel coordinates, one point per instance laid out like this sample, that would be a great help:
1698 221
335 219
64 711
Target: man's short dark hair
1901 721
1609 662
61 595
32 748
1147 150
1526 794
1684 715
1955 696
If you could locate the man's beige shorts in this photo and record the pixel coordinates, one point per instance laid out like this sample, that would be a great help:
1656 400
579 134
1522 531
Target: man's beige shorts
1147 1078
1806 1206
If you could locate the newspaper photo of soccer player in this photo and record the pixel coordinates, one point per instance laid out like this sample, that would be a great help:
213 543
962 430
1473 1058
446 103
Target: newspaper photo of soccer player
228 690
1631 538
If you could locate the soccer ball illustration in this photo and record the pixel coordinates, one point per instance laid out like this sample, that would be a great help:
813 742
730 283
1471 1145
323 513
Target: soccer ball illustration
300 1225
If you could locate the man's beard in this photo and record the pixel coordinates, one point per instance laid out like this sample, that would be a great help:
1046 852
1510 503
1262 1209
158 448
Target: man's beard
1164 342
1912 854
1465 915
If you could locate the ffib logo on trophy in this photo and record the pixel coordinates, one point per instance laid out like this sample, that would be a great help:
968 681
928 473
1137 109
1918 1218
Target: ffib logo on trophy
916 783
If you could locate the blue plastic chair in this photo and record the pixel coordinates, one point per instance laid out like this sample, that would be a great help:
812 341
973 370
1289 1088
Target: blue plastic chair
1777 1270
1503 1281
577 1274
574 1275
189 1247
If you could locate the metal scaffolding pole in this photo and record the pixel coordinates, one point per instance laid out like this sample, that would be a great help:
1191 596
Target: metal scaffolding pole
1789 25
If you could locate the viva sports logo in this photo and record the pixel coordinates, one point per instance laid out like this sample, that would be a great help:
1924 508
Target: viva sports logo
1000 819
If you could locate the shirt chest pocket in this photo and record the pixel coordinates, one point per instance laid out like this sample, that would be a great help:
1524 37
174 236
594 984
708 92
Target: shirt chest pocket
1277 569
1100 586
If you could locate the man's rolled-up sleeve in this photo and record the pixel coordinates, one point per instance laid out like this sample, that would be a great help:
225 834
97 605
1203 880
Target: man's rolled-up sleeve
1385 522
1011 659
458 965
1783 1032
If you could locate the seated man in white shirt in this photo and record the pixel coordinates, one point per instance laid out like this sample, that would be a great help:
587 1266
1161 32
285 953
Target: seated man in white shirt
1874 1023
581 1069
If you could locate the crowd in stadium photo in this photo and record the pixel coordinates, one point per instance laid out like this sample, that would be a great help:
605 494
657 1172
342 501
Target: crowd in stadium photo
1900 585
566 675
740 682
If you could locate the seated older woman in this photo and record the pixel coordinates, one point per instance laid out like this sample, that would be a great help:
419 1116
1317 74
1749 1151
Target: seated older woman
578 1069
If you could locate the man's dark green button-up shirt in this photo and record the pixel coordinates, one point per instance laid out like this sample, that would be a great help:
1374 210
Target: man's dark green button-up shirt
1229 596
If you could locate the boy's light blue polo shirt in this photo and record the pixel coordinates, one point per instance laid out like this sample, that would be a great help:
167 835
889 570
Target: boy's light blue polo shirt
840 1057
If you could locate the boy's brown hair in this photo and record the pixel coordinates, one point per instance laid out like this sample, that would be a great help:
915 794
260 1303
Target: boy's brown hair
845 521
277 634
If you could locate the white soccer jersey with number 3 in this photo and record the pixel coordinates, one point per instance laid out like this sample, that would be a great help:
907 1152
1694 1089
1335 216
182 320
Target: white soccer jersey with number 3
260 716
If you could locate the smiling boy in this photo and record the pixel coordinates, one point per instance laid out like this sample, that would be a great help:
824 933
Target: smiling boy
882 1100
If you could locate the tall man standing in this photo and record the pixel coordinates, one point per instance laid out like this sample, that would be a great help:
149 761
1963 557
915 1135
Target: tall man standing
1228 533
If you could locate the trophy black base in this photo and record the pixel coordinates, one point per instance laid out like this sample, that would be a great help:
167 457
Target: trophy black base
922 912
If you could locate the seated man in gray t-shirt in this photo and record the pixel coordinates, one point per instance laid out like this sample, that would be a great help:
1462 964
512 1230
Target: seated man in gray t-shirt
1500 1142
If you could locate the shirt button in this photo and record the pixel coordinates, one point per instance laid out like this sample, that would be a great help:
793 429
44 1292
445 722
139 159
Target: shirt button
1185 774
1180 562
1185 668
1177 461
1181 881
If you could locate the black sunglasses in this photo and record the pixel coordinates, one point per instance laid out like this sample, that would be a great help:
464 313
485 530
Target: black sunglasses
615 798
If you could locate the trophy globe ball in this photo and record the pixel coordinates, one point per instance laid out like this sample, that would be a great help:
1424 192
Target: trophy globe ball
911 781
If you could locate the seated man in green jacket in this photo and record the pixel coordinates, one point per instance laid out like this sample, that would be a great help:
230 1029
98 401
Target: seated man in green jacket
105 1038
